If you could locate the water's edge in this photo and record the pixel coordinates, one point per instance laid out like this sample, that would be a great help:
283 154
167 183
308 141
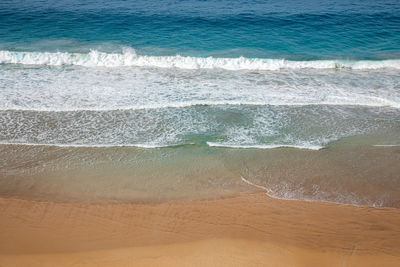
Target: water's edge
340 174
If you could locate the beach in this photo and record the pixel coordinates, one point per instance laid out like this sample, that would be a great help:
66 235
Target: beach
249 229
47 220
199 133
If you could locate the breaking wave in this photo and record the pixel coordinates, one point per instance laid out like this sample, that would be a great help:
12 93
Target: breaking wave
210 144
305 146
129 58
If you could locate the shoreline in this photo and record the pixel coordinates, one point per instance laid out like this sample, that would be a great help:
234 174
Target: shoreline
358 175
257 227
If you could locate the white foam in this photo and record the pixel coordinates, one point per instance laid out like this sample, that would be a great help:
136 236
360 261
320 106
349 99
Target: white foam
129 58
88 145
211 144
347 201
105 89
311 147
197 103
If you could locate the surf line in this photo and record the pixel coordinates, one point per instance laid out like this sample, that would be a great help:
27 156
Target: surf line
306 200
256 185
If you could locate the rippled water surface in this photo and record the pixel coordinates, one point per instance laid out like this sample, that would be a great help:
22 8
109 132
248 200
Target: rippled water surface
203 75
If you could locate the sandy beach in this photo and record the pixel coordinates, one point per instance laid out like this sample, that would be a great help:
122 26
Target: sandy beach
198 206
250 229
199 133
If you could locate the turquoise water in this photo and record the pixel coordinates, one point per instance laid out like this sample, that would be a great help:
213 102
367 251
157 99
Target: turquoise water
220 73
298 30
97 79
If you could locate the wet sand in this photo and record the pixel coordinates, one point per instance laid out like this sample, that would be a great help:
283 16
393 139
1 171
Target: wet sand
250 229
188 206
362 175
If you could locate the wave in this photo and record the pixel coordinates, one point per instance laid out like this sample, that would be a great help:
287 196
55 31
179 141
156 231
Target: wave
286 196
388 145
310 147
211 144
379 102
90 145
129 58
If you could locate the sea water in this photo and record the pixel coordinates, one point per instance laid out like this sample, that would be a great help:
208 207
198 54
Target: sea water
204 75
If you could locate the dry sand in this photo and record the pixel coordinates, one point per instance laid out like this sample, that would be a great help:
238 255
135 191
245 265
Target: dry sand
246 230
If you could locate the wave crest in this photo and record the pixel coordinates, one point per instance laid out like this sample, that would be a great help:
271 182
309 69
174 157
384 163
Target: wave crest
129 58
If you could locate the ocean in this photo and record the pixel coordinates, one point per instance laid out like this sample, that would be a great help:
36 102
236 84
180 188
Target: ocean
177 98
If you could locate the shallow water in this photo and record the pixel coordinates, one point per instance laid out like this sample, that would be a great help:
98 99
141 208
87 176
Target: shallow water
359 175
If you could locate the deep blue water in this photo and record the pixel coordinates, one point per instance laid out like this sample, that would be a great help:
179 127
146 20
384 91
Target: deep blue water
297 30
